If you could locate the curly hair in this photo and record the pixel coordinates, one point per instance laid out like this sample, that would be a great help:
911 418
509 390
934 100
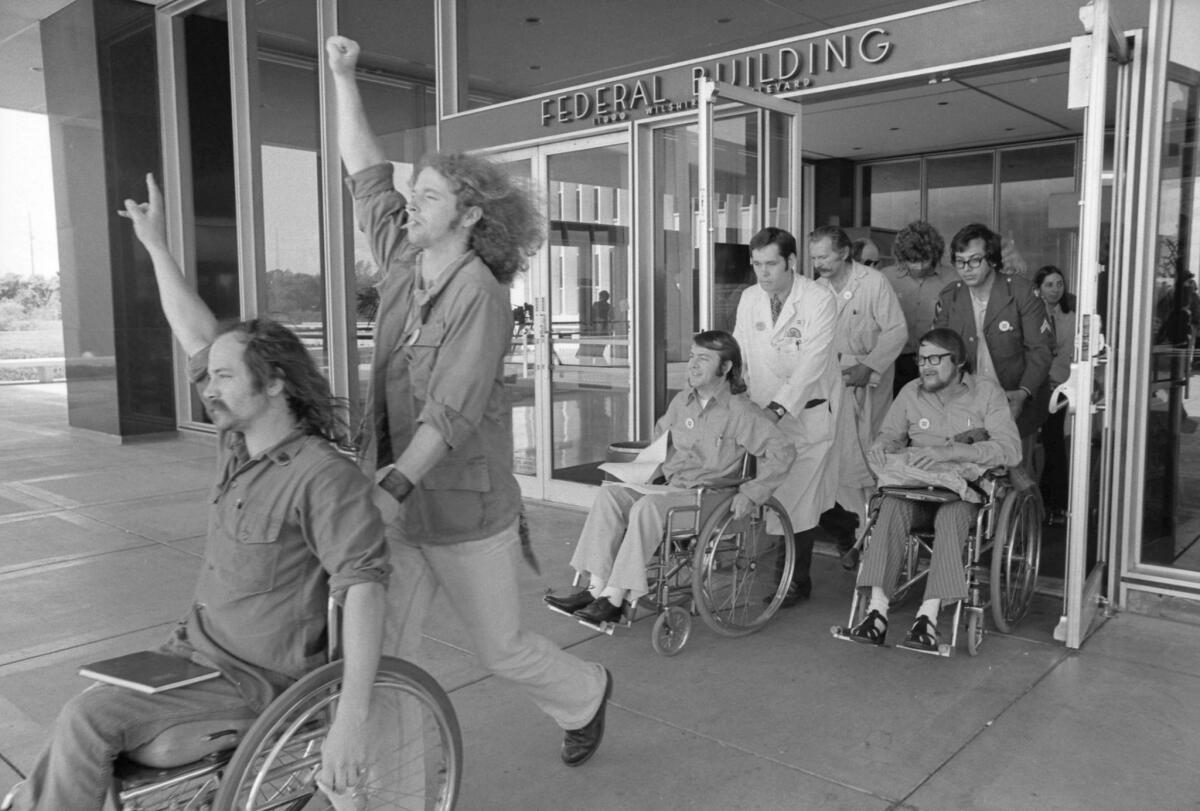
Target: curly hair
919 242
726 347
274 351
993 249
511 227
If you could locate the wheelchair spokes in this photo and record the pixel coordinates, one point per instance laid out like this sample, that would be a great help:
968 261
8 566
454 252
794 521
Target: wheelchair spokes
742 569
1015 559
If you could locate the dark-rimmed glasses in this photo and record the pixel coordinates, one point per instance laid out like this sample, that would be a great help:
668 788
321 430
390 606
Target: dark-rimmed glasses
972 263
932 360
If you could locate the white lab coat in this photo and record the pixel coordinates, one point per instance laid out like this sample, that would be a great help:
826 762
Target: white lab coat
871 330
792 363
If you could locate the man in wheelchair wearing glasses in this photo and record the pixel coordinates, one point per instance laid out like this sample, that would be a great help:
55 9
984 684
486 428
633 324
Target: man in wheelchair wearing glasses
946 421
713 425
291 521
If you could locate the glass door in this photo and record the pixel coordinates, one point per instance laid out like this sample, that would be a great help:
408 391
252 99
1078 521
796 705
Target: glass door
1104 261
570 369
716 181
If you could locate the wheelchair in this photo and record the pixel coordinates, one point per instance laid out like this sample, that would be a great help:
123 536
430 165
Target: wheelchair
1001 558
733 572
272 762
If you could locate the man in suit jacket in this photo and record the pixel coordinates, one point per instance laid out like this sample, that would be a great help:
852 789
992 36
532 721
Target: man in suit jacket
1005 326
786 327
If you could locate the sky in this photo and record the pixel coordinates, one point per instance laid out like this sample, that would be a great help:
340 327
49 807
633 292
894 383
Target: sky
28 236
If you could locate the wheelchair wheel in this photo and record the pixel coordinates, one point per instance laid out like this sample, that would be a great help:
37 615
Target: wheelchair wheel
671 631
974 631
416 751
906 579
742 568
1016 555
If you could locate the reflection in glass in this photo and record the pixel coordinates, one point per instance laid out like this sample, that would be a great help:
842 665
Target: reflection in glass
891 193
960 191
1031 180
1171 512
588 298
291 209
736 218
206 83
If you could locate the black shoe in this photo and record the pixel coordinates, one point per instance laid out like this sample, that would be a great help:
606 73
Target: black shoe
598 611
922 636
570 603
580 744
796 593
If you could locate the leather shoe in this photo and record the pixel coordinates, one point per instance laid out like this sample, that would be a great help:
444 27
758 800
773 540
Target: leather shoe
796 593
598 611
572 602
580 744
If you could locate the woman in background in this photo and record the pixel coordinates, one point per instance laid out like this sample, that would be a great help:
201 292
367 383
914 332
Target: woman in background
1051 286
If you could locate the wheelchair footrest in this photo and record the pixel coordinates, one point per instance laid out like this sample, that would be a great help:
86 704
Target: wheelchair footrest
843 633
943 649
602 627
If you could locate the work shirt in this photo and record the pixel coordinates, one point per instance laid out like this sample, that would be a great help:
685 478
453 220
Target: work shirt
710 441
287 529
920 417
1064 343
918 297
439 361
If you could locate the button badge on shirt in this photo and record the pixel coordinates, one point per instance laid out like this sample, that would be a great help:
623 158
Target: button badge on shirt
923 424
689 422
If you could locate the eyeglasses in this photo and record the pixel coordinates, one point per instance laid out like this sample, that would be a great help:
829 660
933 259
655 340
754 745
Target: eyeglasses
869 262
972 263
932 360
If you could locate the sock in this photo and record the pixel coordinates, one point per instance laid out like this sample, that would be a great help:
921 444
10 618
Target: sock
930 608
614 595
595 587
879 601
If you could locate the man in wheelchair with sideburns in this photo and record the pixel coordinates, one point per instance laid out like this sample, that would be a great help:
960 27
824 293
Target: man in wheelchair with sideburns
291 521
713 425
946 422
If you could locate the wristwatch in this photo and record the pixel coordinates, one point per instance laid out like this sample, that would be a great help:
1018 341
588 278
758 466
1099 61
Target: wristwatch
776 409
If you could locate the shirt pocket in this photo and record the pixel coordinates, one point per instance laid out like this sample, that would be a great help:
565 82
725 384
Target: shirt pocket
422 354
250 560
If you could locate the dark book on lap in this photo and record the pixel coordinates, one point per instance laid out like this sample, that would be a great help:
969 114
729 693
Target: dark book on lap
148 671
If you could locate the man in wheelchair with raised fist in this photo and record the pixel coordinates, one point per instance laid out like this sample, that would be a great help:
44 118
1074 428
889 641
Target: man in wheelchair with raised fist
945 428
291 522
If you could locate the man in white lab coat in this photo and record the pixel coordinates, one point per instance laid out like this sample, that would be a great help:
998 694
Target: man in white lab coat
785 326
871 332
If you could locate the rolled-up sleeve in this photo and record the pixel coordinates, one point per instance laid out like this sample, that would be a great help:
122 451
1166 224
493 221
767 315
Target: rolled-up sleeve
476 338
379 211
344 527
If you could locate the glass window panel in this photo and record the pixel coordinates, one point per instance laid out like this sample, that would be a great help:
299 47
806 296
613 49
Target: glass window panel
891 194
206 83
1171 512
293 252
591 390
1037 199
960 191
396 82
780 205
736 219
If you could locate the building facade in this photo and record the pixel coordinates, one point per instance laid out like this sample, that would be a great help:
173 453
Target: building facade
657 156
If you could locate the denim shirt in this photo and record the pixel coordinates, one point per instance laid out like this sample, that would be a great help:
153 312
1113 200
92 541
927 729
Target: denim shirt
287 528
439 360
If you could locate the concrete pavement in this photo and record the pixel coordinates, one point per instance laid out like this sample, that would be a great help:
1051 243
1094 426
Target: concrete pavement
100 544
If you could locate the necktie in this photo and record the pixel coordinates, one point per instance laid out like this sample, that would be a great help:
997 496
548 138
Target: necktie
776 308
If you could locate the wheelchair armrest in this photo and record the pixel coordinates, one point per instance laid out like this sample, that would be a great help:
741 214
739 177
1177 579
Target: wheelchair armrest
939 495
994 473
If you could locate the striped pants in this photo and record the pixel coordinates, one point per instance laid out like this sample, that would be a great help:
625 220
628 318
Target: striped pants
952 522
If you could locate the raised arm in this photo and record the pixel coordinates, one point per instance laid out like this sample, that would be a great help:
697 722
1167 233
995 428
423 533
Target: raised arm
356 142
192 322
